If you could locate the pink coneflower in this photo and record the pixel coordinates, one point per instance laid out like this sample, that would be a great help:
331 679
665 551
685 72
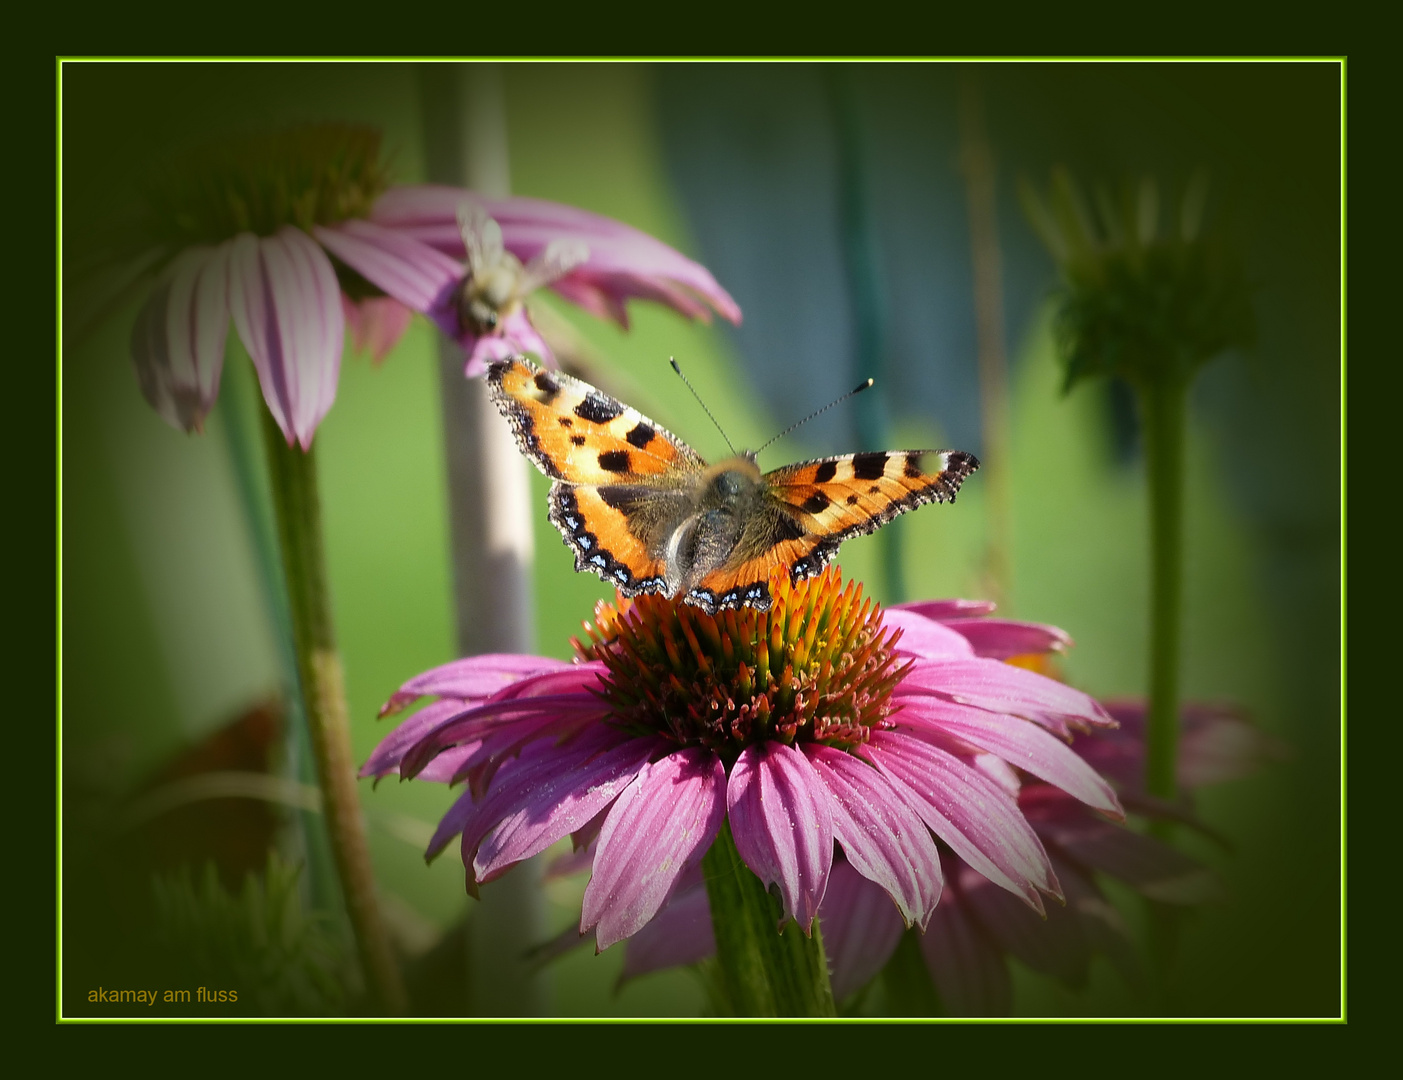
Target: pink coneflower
295 236
978 926
514 246
822 720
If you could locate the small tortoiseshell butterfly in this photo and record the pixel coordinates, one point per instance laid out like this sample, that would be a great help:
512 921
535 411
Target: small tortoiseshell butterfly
642 510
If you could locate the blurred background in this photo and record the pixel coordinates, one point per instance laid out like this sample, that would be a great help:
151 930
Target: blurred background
772 175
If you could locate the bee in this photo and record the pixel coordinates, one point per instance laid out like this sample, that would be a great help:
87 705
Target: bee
497 282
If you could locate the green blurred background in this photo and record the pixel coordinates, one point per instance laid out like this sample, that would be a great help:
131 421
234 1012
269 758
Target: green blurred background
167 636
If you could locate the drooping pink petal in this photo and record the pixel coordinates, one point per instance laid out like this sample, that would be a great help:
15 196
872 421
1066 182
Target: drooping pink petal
971 813
861 929
941 610
679 934
662 823
1055 944
542 767
177 344
1151 867
1104 928
1002 688
412 272
969 973
1017 742
998 639
475 677
925 638
287 309
883 838
782 823
623 261
386 757
502 727
558 804
376 323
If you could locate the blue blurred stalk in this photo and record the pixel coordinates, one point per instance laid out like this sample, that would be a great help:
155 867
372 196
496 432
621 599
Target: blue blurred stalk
866 289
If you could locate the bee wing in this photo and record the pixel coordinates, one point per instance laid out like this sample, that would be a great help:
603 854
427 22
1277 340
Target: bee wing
552 264
482 236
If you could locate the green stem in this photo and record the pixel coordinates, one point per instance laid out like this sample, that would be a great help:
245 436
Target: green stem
294 488
763 972
1163 409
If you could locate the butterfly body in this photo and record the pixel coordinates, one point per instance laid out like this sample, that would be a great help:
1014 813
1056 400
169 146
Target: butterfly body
642 510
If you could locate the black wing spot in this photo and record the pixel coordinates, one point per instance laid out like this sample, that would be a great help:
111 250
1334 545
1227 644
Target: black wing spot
874 490
578 440
816 503
546 384
597 408
614 461
913 466
852 500
640 436
869 466
825 472
565 421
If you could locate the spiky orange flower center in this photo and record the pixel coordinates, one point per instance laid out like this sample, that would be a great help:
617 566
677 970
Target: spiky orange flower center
818 666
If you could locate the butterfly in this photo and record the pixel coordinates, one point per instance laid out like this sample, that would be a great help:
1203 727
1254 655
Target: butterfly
641 509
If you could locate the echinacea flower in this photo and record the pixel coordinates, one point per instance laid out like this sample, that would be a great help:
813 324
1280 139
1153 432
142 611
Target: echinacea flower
514 246
978 926
821 720
294 236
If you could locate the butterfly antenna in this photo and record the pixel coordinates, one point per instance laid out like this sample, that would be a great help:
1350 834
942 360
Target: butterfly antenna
700 402
836 401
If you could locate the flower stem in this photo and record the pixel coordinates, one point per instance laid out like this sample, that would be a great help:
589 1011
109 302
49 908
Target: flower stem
294 488
764 973
1163 409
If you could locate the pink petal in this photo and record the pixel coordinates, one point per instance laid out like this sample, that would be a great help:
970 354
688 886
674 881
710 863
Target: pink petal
883 838
940 610
679 934
971 813
377 324
177 344
559 803
999 639
1055 945
861 929
503 727
1149 866
410 271
544 767
1002 688
663 823
623 261
475 677
782 824
921 637
968 971
1017 742
287 309
386 757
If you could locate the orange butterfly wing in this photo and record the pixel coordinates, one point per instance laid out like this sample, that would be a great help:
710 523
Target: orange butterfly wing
605 458
821 503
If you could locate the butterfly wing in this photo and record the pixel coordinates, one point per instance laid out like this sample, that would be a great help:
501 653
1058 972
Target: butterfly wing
815 505
621 480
